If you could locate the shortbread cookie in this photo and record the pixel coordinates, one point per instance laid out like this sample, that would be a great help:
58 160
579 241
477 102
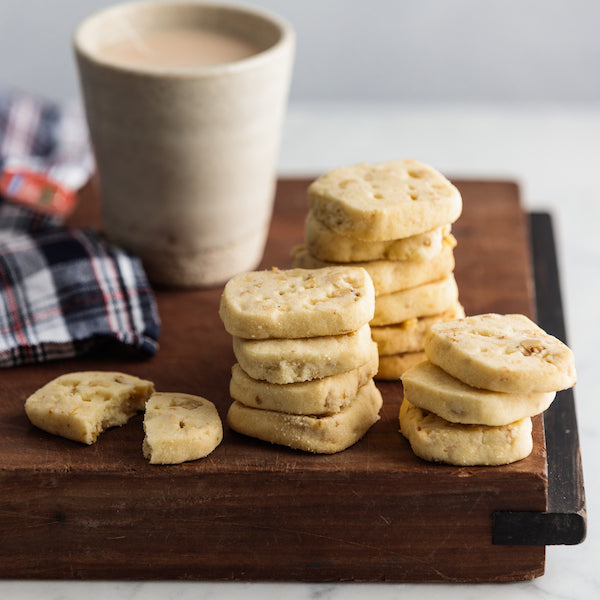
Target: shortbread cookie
323 435
297 303
503 353
384 201
293 360
179 428
317 397
393 366
328 245
409 335
390 276
435 439
80 406
421 301
432 389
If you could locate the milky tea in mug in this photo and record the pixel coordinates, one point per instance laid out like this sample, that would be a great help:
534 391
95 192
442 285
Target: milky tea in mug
176 48
185 104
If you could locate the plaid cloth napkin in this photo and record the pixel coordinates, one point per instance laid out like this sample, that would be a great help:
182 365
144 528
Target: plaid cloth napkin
64 292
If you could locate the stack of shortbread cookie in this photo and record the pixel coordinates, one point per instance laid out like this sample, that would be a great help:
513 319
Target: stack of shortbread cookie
305 357
393 219
471 403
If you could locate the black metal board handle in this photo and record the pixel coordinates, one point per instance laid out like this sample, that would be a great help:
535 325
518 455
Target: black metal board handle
565 521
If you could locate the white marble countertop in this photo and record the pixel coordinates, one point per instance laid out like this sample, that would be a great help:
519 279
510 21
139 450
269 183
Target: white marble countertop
554 154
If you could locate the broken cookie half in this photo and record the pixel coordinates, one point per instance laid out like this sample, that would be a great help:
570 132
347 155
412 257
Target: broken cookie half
179 428
80 406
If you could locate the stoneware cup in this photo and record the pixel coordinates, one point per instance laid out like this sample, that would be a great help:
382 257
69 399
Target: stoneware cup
187 157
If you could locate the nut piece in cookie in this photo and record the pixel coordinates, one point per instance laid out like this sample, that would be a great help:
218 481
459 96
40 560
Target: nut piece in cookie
79 406
179 428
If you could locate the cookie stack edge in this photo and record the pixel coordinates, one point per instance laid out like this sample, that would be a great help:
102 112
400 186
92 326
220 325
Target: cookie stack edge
471 402
394 220
305 357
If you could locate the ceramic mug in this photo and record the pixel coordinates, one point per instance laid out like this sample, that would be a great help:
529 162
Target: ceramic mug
186 155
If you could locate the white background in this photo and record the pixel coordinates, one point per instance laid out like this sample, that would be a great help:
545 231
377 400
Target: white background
477 88
363 50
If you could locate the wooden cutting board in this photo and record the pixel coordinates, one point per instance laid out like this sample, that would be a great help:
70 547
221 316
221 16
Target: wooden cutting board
254 511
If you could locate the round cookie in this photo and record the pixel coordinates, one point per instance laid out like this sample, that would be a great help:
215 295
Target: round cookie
288 361
421 301
323 435
437 440
325 244
393 366
428 387
297 303
502 353
80 406
179 428
317 397
390 276
384 201
409 335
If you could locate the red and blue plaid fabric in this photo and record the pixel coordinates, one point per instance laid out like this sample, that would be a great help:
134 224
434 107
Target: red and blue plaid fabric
64 292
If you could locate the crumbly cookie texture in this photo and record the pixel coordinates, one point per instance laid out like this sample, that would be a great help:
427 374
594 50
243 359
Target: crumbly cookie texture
393 366
323 435
435 439
390 276
297 303
293 360
384 201
80 406
179 428
502 353
322 396
328 245
421 301
428 387
409 335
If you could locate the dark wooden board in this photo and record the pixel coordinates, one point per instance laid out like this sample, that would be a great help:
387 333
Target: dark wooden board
565 520
254 511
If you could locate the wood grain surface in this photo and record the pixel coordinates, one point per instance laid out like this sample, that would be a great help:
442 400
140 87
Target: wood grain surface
251 510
